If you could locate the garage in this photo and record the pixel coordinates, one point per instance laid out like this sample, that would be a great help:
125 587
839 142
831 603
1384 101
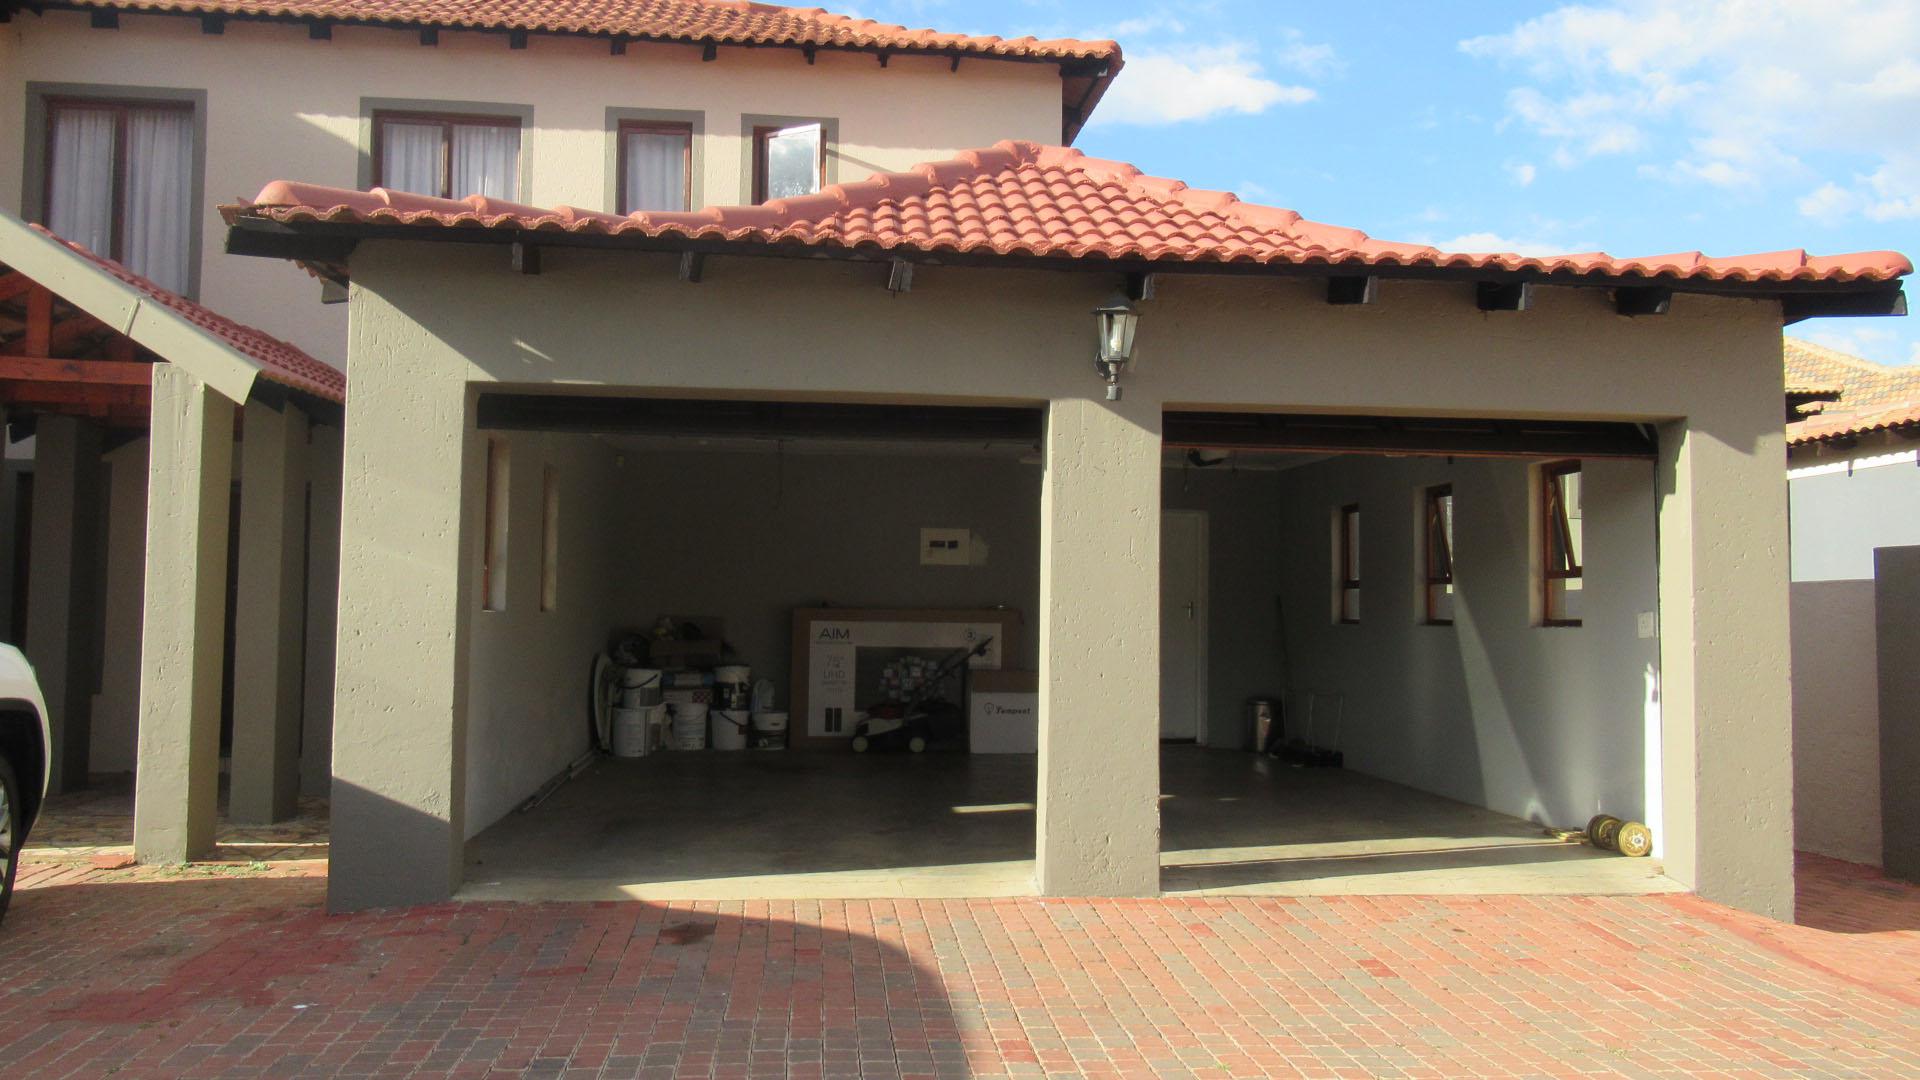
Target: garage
862 559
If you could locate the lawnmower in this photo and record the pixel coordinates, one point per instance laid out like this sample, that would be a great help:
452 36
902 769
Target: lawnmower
925 716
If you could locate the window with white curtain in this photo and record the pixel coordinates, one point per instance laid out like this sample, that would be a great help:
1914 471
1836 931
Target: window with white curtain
788 161
654 166
120 182
450 156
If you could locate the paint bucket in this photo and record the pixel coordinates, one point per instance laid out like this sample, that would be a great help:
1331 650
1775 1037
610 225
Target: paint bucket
769 730
643 697
733 686
633 731
634 678
689 726
729 729
762 695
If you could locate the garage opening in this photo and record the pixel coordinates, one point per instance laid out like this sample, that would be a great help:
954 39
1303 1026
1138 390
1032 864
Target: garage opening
742 592
1453 626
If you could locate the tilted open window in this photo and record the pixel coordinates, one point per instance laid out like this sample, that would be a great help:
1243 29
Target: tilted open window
1437 559
1562 567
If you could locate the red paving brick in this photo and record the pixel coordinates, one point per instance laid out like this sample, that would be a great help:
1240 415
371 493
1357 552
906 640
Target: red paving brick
239 972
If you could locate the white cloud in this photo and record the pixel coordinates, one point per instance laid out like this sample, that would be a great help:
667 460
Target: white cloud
1523 173
1194 83
1482 243
1296 53
1751 86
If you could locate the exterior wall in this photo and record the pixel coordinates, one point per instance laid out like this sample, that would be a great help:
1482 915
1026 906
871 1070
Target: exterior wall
116 708
1897 635
529 672
1551 724
1844 504
281 106
430 320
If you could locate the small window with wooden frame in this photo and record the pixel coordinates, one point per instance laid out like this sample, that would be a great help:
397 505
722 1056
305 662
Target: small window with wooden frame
1346 539
789 161
655 166
119 180
451 155
493 554
550 540
1437 556
1561 544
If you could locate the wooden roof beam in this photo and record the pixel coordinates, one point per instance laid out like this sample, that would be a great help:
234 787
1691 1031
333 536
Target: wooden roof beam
97 372
68 394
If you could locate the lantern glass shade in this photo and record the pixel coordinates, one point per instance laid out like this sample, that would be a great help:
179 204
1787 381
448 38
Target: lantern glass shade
1118 321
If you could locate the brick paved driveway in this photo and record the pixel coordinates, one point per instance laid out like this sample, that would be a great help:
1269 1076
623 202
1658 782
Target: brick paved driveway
240 973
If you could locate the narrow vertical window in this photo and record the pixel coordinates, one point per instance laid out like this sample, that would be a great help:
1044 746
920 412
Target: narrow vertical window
788 161
550 540
120 183
1438 557
448 156
655 164
493 564
1561 546
1347 537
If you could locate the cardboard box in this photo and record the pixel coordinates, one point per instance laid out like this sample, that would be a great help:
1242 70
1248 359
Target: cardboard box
1003 712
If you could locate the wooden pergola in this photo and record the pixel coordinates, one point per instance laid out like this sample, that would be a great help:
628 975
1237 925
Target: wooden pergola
57 359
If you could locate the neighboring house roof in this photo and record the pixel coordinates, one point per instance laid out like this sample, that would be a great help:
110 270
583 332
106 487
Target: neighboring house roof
1859 382
226 354
1023 199
1087 67
1865 397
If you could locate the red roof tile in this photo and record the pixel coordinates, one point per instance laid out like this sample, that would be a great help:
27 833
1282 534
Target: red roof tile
1019 198
279 361
1860 383
1836 425
700 22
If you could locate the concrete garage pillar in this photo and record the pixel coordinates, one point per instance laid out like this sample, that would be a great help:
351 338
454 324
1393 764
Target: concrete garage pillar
182 638
268 618
62 576
1896 604
1099 768
400 687
323 588
1726 698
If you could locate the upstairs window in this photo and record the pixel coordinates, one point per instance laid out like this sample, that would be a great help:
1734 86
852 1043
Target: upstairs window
1561 544
788 161
452 156
1347 580
120 183
655 166
1437 559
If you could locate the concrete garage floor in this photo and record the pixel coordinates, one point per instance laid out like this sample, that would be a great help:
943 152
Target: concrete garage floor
824 826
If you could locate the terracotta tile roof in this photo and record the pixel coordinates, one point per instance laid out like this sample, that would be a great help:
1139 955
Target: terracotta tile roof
1019 198
1848 422
697 22
1861 383
279 361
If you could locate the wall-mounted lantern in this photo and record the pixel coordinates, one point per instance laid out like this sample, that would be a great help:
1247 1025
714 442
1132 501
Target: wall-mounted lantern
1117 321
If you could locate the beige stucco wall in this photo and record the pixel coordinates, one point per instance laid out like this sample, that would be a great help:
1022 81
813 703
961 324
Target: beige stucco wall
1546 723
281 106
430 319
527 717
116 708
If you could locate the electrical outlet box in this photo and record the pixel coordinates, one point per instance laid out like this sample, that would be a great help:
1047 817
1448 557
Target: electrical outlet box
946 547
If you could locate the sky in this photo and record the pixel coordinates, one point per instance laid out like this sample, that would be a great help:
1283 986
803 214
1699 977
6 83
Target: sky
1636 127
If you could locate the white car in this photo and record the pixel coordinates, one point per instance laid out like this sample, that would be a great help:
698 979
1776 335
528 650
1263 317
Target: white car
24 739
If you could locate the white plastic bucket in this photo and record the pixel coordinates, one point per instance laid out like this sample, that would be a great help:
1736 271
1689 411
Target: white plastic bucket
732 686
640 697
733 673
770 723
730 728
689 726
630 731
634 678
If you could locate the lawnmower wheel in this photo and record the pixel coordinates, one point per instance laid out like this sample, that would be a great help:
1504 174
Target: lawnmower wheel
860 744
917 744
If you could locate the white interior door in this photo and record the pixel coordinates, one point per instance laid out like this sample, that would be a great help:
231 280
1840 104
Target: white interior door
1183 624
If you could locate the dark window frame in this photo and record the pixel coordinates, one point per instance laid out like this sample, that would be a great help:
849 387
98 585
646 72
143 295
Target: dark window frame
1437 557
651 127
447 122
761 133
1555 524
1348 582
121 107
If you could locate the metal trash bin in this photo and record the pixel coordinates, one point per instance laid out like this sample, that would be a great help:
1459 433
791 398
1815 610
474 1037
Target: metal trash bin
1263 720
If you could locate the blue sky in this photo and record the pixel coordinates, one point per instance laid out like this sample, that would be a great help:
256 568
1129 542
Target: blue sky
1638 127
